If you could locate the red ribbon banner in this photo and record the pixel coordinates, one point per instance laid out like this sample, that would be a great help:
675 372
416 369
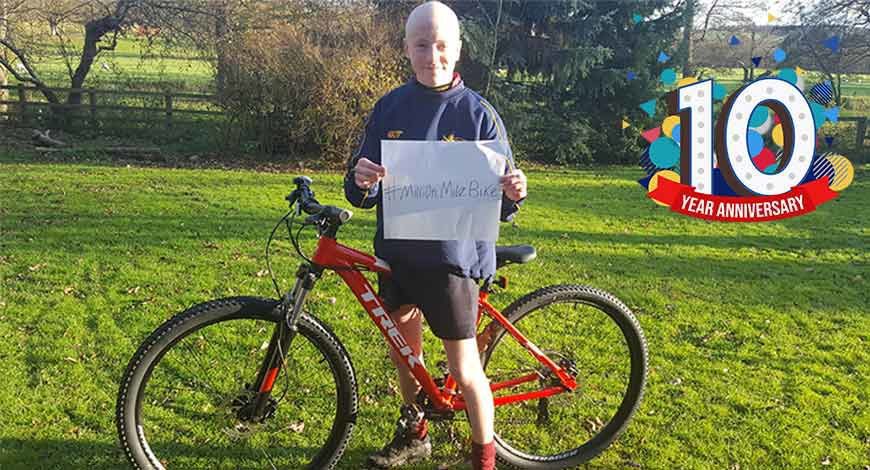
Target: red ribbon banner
800 200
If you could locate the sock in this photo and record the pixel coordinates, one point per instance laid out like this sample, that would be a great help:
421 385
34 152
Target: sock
483 456
421 430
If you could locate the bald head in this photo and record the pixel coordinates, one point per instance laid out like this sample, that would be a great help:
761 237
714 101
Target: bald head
432 16
432 43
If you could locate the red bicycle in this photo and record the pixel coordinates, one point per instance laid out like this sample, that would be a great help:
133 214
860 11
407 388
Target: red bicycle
203 391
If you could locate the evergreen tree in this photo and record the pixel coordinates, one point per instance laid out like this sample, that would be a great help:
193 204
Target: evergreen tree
557 71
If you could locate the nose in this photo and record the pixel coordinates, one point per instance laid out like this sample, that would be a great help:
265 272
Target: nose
433 55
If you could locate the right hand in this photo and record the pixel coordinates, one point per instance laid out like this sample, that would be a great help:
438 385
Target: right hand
368 173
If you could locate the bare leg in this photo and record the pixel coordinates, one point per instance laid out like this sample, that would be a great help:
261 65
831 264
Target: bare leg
465 367
409 321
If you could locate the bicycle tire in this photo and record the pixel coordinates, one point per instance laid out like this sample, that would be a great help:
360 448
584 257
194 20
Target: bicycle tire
543 450
209 323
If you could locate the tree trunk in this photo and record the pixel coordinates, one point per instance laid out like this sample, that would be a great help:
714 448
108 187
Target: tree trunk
686 45
220 31
94 31
4 14
838 90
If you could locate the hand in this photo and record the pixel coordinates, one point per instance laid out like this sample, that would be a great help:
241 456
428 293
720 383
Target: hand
514 185
367 173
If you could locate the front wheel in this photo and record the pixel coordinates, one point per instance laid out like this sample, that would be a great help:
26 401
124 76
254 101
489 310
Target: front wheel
186 394
594 336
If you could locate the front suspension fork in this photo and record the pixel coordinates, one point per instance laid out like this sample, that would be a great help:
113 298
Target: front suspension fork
290 309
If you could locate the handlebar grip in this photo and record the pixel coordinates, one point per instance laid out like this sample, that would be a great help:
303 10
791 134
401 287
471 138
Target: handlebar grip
310 206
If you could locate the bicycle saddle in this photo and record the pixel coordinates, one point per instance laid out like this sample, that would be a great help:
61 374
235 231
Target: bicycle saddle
514 254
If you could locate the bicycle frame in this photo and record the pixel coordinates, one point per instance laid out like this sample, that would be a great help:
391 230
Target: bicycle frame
348 263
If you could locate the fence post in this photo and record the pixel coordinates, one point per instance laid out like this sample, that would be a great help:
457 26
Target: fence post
168 100
861 132
22 103
92 99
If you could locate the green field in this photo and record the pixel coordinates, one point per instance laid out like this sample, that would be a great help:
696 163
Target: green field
757 333
132 65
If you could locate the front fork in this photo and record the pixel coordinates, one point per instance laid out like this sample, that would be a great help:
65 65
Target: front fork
290 309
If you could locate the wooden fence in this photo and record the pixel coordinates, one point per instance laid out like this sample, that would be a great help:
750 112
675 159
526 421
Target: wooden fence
25 111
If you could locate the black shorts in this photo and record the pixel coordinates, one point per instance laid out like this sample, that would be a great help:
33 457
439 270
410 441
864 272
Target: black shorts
448 301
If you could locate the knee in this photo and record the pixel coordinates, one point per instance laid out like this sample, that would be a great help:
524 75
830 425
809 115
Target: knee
405 314
467 374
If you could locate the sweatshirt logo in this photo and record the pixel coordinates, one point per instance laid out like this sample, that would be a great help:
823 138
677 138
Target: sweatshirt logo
394 134
451 138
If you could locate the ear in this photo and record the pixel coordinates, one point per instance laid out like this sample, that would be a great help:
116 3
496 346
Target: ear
405 49
458 49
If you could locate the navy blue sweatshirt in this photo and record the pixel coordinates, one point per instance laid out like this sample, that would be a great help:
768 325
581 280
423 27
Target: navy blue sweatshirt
414 112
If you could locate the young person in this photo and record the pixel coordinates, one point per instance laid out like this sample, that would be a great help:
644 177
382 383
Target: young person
433 279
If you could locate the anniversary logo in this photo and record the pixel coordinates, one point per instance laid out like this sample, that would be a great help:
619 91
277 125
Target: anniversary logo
756 161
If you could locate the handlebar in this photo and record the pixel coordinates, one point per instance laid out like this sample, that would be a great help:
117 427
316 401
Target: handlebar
304 196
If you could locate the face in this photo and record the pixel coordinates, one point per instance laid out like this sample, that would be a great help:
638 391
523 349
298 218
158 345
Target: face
433 52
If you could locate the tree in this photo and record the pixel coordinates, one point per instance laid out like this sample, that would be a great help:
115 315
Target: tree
3 56
687 44
724 19
101 22
557 70
849 21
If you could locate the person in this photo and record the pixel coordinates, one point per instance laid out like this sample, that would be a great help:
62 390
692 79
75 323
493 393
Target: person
433 279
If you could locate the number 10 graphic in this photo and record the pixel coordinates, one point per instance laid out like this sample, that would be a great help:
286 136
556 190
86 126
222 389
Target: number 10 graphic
694 104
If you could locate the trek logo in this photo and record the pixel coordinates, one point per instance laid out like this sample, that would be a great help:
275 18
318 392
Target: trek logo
387 325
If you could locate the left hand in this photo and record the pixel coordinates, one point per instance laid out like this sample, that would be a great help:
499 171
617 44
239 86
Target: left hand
514 185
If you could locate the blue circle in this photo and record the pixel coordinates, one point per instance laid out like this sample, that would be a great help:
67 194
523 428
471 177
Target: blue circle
664 153
818 114
668 76
719 91
779 55
675 133
755 142
759 116
788 75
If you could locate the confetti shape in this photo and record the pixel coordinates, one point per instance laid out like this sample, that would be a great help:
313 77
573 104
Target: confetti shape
756 61
734 41
779 55
649 107
651 134
663 57
832 43
833 114
630 75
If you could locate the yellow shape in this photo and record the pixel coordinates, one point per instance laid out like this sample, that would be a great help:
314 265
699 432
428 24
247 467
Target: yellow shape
844 173
625 124
776 134
654 182
771 18
669 123
685 81
799 70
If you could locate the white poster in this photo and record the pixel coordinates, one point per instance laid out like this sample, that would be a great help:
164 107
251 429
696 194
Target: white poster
438 190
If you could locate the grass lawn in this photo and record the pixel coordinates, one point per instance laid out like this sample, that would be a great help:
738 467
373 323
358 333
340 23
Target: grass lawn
758 334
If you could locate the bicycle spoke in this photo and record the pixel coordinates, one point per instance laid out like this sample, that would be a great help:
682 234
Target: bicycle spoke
599 354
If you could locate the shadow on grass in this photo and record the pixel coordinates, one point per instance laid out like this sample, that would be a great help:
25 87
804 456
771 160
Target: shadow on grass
74 454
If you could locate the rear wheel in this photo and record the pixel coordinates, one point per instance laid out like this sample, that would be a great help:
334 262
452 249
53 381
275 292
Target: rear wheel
597 338
183 399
